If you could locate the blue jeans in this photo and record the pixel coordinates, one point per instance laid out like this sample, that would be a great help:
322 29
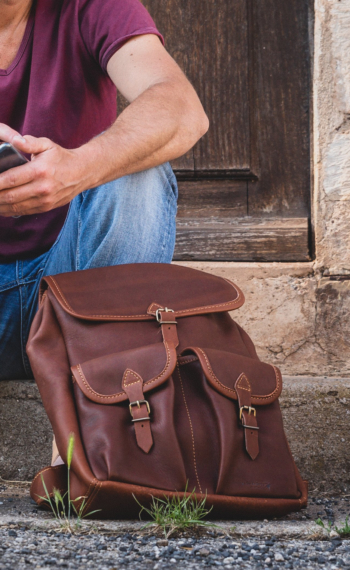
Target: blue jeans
129 220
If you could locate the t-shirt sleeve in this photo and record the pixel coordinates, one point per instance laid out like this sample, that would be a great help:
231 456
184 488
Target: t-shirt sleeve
105 25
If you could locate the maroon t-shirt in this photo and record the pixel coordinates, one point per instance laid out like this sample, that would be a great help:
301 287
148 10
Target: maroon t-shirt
58 87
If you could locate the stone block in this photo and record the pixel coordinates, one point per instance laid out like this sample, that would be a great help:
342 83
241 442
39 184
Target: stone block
333 324
297 319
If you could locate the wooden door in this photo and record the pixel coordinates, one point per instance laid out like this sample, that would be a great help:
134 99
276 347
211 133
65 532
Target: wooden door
245 187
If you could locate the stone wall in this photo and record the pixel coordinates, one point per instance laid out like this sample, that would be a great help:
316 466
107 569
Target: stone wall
332 136
298 319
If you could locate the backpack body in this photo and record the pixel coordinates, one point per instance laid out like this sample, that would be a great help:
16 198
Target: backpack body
163 392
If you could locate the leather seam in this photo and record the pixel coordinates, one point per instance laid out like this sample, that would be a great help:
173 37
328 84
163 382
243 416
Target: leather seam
43 297
101 396
93 494
191 428
46 469
188 361
211 372
182 312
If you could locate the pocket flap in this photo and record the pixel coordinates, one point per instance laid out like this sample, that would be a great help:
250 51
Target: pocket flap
222 369
101 379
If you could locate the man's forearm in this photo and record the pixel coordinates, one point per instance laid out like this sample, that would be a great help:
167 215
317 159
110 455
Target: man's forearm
163 123
164 120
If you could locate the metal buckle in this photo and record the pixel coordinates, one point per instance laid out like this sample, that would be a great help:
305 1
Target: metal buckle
165 310
148 419
250 410
138 404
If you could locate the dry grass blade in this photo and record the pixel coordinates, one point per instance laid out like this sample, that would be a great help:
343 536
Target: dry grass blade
63 506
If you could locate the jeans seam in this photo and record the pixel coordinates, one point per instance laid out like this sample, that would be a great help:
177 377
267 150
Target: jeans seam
7 286
167 235
77 252
53 247
23 302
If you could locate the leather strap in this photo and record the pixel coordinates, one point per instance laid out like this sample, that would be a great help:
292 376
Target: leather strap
247 416
169 328
139 408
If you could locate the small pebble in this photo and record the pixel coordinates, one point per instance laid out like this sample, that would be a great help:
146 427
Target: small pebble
12 532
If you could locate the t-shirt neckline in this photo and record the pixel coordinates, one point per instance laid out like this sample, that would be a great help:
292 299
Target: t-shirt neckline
23 45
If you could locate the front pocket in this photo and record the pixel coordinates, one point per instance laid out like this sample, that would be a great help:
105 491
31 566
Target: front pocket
107 429
110 444
222 464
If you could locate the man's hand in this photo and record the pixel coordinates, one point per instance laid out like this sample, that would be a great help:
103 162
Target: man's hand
52 178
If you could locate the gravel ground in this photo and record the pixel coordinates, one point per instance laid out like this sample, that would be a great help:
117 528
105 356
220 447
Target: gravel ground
24 549
30 539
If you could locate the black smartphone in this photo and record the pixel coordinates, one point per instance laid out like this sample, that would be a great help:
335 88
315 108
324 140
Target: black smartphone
10 157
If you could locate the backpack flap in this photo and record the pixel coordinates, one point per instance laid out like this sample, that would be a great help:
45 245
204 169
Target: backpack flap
135 292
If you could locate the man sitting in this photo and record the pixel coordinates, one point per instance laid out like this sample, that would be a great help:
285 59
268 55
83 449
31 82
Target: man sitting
97 191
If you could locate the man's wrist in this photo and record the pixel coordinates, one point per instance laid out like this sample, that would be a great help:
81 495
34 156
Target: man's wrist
95 163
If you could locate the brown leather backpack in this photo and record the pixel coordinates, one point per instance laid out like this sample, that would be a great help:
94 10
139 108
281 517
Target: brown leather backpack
163 391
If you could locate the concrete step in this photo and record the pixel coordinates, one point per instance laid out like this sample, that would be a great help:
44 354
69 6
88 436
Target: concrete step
18 511
316 413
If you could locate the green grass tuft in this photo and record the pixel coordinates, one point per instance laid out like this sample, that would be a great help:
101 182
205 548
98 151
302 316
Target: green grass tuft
176 513
320 523
344 531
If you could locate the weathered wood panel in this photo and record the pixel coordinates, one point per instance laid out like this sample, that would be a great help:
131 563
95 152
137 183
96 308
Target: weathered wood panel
279 111
249 61
246 239
212 198
209 40
173 20
220 76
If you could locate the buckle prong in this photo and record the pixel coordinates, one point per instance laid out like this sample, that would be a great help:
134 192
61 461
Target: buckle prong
249 409
138 404
160 310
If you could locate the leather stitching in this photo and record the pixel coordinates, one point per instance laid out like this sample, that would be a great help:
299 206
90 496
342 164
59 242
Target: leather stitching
181 312
43 297
193 359
118 394
211 372
46 469
131 373
93 494
155 306
241 379
191 428
61 294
